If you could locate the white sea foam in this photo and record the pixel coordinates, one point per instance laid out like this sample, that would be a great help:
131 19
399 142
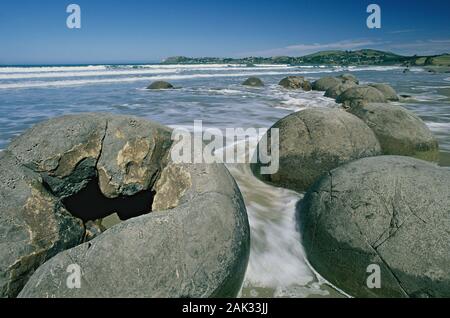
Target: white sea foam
83 74
34 69
134 79
440 127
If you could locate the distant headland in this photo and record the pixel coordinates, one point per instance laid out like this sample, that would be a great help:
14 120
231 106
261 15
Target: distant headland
341 58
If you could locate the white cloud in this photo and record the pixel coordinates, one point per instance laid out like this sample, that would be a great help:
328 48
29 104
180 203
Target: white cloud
303 49
422 47
419 47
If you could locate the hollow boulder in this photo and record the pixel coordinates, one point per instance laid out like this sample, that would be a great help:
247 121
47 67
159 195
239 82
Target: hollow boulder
314 141
399 131
387 216
73 170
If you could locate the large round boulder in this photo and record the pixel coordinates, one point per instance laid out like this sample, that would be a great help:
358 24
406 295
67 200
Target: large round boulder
335 91
254 82
399 131
183 230
195 244
380 227
295 82
360 94
314 141
325 83
389 93
160 85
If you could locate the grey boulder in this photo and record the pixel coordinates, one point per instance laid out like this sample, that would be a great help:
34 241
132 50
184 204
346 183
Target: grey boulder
314 141
160 85
295 82
62 177
335 91
254 82
389 93
325 83
34 225
399 131
360 94
347 77
197 247
388 212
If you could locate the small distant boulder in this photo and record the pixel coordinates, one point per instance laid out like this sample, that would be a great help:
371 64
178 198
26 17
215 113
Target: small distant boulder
160 85
347 77
335 91
325 83
360 94
389 93
254 82
399 131
295 82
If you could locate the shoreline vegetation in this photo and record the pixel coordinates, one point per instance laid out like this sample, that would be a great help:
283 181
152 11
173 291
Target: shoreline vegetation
335 57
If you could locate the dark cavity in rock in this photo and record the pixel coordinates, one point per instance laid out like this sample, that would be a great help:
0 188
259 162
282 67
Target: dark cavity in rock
89 204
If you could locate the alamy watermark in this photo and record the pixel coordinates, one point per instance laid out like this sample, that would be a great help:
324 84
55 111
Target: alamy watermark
211 145
374 19
74 278
374 279
74 19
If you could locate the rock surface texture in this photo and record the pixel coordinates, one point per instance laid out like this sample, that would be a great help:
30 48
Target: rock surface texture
315 141
184 229
389 211
399 131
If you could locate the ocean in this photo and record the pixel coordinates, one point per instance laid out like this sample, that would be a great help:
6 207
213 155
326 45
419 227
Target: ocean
214 94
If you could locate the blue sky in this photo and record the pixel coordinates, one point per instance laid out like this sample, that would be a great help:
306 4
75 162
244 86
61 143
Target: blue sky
114 31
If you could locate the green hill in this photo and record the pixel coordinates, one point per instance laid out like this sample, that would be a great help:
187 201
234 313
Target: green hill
359 57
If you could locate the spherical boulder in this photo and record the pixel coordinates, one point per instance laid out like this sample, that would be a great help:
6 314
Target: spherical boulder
388 92
314 141
360 94
399 131
184 229
380 222
295 82
335 91
160 85
195 244
347 77
253 81
325 83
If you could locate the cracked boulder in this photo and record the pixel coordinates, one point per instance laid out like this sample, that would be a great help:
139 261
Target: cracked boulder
314 141
388 211
194 244
399 131
63 177
34 226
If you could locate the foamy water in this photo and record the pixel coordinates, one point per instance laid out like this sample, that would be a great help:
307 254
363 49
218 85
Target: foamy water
213 93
